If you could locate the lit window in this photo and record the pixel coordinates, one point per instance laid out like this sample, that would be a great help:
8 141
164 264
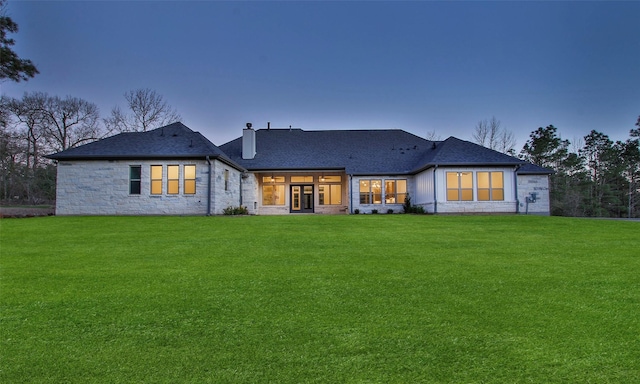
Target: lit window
135 176
460 186
490 186
189 179
331 179
371 191
156 179
273 194
273 179
395 191
330 194
302 179
173 179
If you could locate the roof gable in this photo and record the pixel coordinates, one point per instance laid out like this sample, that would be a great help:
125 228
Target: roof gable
454 151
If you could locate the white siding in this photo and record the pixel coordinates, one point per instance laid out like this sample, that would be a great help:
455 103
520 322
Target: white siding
423 195
508 205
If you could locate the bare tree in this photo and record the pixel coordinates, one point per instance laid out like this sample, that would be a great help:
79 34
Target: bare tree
506 143
148 110
433 136
491 134
70 122
27 115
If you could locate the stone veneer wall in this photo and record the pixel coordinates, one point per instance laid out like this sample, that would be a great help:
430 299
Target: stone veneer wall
250 192
102 188
224 196
539 184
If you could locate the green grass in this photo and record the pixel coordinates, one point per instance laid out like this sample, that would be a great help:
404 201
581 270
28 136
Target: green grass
319 299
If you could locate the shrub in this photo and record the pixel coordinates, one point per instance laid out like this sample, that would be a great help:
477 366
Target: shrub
406 207
356 211
374 211
389 211
233 211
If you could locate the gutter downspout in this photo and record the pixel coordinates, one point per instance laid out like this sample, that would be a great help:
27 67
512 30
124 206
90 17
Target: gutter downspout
241 177
209 187
515 174
351 194
435 190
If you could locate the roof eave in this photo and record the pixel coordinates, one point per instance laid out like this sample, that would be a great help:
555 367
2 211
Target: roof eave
467 164
147 157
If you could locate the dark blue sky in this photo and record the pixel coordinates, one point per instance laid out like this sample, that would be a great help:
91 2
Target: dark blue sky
418 66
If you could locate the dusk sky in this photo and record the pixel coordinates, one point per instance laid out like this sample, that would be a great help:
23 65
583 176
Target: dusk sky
419 66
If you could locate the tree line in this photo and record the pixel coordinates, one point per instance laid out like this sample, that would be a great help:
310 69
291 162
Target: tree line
594 178
39 124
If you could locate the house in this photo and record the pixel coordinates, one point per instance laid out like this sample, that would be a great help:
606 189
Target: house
173 170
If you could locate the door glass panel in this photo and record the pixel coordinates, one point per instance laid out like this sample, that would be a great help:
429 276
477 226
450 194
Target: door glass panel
308 197
295 198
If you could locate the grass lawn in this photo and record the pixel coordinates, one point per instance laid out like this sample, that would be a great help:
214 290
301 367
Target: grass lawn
319 299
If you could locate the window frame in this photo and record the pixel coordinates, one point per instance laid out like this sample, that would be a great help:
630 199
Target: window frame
326 193
138 180
173 182
154 181
395 194
188 182
371 195
278 191
461 192
493 192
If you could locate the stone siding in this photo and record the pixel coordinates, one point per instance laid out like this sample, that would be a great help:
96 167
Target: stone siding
102 188
538 184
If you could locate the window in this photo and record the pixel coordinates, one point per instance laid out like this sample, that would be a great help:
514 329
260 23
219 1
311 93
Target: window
460 186
156 179
273 194
226 179
273 179
330 179
189 179
330 194
302 179
371 191
173 179
490 186
395 191
135 175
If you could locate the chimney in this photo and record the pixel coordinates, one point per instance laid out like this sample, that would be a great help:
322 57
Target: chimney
248 143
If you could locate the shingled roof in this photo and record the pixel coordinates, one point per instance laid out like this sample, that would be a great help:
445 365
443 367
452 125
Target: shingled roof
363 152
174 141
357 152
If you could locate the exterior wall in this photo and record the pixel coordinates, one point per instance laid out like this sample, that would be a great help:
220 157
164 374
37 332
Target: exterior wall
250 193
508 205
260 209
539 184
102 188
384 206
424 195
224 193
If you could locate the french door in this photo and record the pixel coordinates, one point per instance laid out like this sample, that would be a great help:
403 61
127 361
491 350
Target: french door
301 199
